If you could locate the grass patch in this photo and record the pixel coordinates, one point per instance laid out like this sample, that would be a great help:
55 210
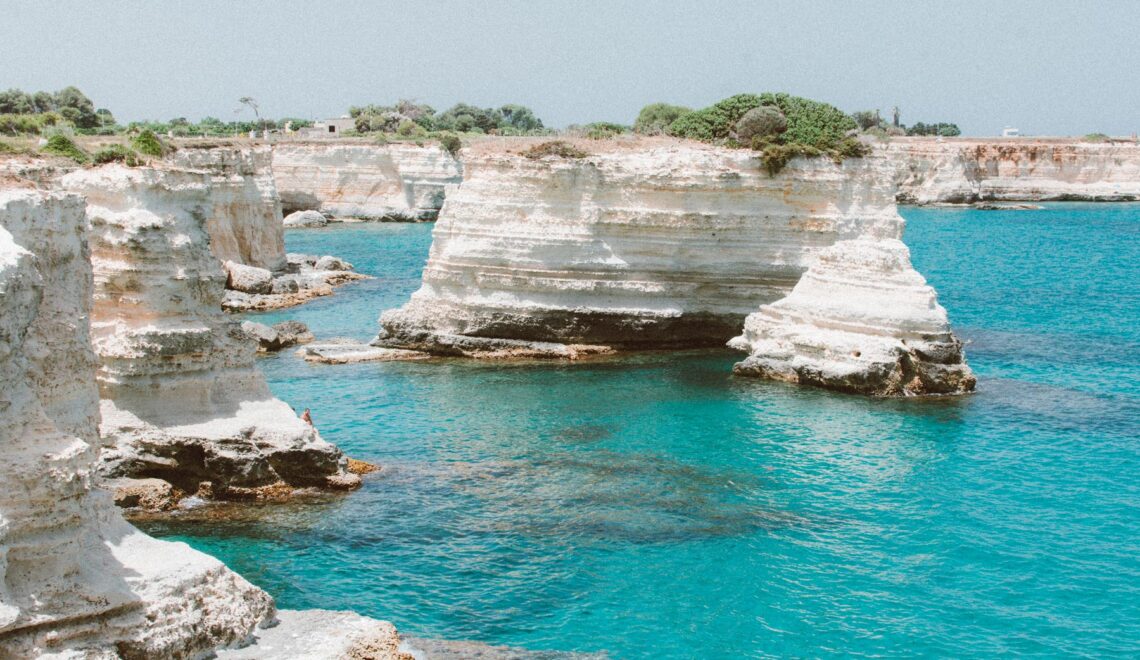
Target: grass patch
557 148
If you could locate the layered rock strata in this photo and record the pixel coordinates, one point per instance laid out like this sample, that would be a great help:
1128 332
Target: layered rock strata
75 578
181 398
245 222
861 320
965 171
637 248
364 181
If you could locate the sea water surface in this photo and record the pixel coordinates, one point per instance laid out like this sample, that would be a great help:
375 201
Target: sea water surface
655 506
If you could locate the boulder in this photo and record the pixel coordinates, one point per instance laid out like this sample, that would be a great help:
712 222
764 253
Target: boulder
267 338
248 279
306 219
290 333
329 262
149 494
286 284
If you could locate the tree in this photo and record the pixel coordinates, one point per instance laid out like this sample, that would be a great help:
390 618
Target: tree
252 103
761 122
83 110
866 119
520 118
655 118
895 117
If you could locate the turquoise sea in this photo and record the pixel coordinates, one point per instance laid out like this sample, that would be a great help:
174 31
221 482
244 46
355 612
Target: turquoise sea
655 506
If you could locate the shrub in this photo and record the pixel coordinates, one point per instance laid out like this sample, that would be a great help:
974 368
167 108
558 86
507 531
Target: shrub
776 156
409 128
450 143
716 121
117 153
944 129
61 145
818 124
850 147
148 143
655 118
603 130
557 148
1096 137
761 121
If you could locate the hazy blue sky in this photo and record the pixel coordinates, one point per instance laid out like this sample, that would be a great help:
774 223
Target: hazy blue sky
1046 67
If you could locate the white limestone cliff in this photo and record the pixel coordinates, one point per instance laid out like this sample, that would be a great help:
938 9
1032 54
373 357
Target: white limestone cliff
181 397
364 181
667 245
245 222
75 578
967 170
675 245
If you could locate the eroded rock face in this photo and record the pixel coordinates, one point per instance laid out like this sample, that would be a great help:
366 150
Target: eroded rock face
966 171
642 248
861 320
306 219
364 181
75 578
245 223
181 398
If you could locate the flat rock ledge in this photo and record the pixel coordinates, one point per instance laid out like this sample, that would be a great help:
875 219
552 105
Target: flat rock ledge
321 635
306 277
489 348
350 351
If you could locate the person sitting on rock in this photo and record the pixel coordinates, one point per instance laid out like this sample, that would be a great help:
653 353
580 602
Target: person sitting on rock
307 417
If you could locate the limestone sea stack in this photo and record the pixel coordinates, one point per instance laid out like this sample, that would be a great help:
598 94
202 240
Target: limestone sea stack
364 181
75 578
181 398
664 244
861 320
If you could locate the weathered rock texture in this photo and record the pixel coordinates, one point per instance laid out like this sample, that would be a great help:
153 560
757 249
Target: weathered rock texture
364 181
245 223
75 578
1022 169
666 246
861 320
181 398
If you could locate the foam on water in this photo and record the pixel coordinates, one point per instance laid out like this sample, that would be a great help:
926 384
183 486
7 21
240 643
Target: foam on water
656 506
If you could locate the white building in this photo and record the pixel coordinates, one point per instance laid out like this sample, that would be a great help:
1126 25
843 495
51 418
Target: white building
329 127
1010 132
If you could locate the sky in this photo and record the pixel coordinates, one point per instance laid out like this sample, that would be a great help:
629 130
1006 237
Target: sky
1047 67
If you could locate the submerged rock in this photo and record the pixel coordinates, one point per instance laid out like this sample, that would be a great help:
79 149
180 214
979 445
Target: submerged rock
306 219
861 320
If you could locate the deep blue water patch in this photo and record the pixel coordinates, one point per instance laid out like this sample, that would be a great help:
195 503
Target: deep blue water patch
655 506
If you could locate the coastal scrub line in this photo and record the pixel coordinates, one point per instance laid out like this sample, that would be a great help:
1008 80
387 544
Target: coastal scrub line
779 126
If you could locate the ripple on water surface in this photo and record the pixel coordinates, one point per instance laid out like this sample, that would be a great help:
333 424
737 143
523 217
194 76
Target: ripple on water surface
656 506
